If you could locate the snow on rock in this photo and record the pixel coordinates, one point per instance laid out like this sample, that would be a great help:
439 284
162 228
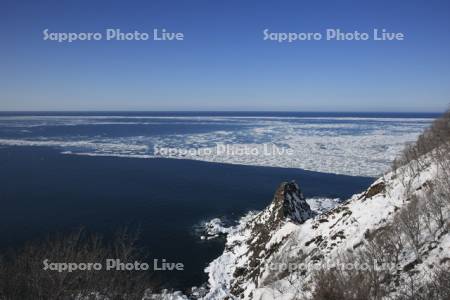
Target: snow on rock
165 295
220 227
214 228
290 233
321 205
254 239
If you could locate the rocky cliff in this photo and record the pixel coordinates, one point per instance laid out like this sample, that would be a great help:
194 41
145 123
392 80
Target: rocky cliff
279 252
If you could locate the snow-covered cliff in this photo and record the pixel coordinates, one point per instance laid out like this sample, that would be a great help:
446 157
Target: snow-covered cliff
279 252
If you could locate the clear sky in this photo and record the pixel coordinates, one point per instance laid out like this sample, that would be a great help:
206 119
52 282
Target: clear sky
223 62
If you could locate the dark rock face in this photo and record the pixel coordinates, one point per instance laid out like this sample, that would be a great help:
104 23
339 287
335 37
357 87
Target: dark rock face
288 205
295 206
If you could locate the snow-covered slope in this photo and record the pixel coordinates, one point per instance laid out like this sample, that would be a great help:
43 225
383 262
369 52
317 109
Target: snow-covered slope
255 238
273 254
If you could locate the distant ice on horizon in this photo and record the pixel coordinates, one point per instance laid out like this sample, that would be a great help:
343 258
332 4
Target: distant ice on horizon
349 146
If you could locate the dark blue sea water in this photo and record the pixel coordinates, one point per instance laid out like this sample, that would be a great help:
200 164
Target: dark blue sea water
59 171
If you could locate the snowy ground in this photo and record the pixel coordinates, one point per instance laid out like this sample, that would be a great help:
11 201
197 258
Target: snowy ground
331 233
219 227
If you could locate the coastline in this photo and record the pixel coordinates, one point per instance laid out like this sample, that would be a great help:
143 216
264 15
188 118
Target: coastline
46 191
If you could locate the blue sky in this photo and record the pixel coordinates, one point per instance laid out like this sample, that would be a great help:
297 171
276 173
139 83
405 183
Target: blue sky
224 63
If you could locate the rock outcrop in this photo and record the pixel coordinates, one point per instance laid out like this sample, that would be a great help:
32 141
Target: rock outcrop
288 205
289 233
257 239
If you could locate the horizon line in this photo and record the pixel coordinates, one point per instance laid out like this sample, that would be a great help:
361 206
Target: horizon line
215 111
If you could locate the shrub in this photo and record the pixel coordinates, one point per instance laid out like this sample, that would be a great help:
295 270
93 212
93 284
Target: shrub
22 275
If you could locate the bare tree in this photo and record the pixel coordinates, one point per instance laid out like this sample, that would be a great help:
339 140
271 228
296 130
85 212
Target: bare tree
410 221
22 275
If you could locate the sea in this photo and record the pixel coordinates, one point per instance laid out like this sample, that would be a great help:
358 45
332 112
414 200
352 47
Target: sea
161 172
